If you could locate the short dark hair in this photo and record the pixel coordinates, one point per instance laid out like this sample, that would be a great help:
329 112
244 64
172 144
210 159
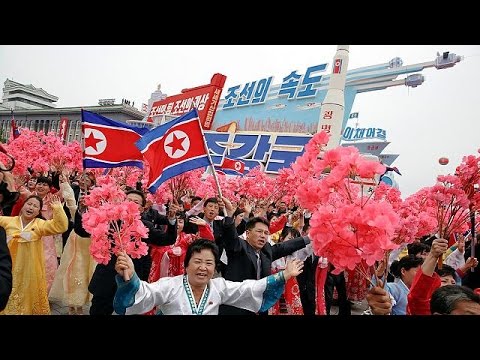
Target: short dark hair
181 215
406 262
45 180
417 248
289 230
197 246
258 219
445 298
446 270
210 200
138 192
270 215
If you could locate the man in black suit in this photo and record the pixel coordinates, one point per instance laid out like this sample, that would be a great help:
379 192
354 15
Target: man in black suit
103 285
306 285
252 258
472 279
5 270
211 209
338 282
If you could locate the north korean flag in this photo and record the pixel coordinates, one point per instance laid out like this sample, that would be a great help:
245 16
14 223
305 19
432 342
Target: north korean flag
174 148
109 143
236 166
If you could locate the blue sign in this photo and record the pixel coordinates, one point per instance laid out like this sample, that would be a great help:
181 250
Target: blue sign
351 133
294 104
270 151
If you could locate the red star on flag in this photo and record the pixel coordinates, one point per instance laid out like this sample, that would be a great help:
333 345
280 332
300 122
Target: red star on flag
174 148
176 144
233 164
92 141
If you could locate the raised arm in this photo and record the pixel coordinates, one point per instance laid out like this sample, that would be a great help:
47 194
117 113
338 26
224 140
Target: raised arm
160 237
59 223
204 230
230 238
426 281
288 247
68 195
197 209
134 296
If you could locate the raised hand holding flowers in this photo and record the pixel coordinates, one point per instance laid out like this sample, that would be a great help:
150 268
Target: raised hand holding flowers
114 224
348 225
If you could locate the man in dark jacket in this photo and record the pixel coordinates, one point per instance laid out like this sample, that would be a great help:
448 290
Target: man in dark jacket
5 270
306 285
472 278
252 258
211 209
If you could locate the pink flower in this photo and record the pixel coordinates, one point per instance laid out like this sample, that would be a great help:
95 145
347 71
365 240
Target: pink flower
45 151
114 224
348 226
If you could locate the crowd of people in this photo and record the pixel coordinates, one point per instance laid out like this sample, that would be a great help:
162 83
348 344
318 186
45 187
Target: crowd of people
209 255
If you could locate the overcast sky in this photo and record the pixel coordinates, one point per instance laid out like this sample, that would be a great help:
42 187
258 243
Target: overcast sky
438 118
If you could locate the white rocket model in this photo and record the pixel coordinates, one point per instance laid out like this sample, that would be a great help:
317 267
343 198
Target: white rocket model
331 115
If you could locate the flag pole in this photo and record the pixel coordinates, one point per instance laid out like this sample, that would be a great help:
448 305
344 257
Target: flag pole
211 162
214 173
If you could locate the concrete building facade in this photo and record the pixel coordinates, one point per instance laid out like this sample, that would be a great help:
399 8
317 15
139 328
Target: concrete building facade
34 108
20 96
50 119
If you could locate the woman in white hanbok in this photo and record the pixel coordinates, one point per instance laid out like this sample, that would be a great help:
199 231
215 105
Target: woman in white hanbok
196 292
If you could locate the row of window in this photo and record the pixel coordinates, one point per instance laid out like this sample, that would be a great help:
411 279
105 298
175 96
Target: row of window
74 128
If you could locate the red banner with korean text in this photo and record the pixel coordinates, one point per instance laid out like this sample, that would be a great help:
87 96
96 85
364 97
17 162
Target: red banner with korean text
204 98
